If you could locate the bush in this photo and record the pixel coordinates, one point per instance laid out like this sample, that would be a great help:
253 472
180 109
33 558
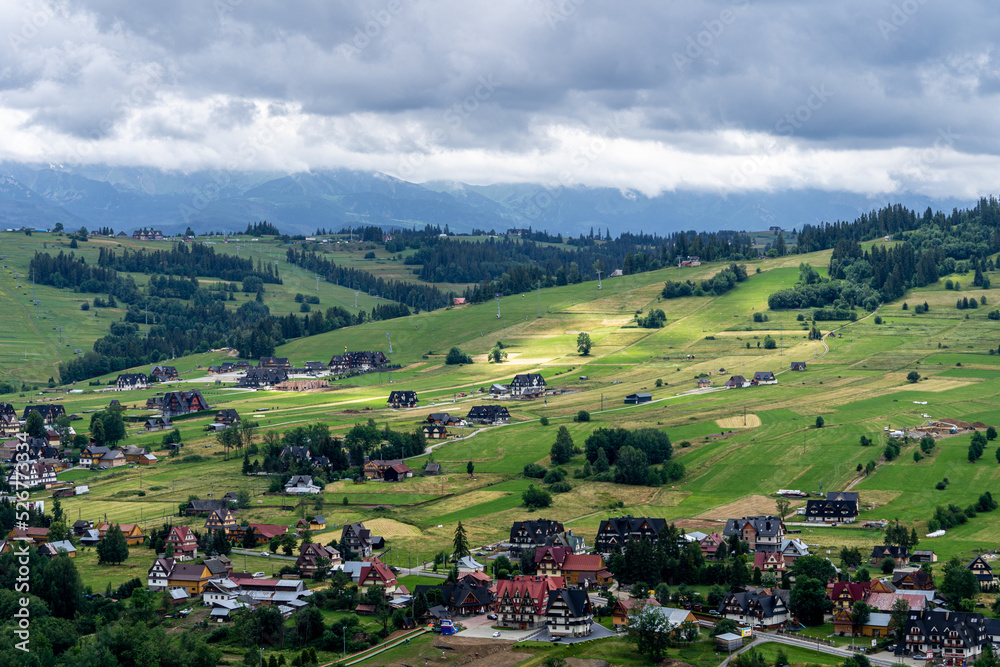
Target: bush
84 306
770 343
659 382
912 376
554 475
561 487
878 319
940 486
457 357
582 416
535 498
544 421
534 471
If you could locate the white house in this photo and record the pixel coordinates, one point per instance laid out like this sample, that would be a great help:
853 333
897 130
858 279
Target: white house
301 484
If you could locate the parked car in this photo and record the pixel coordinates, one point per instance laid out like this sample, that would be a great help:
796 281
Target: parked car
556 639
265 554
496 634
492 617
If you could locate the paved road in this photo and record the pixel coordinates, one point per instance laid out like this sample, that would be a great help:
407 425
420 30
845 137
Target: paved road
245 552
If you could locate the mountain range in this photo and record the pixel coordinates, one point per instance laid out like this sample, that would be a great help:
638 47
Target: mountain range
126 198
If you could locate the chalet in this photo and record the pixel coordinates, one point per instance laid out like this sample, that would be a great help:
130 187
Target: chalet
221 519
262 377
227 416
703 383
435 432
301 484
90 538
917 580
53 549
357 539
769 561
983 572
146 460
29 534
798 365
877 624
526 535
361 361
568 540
763 377
183 402
143 234
392 470
881 551
527 384
432 468
29 474
792 550
958 637
761 533
164 373
275 362
521 601
584 571
183 541
488 414
831 511
300 454
50 412
115 403
614 533
569 613
465 598
130 381
759 609
191 577
204 507
402 399
443 419
80 526
157 424
843 594
113 459
302 385
311 558
133 453
711 544
372 572
737 382
131 531
623 609
635 399
921 556
264 532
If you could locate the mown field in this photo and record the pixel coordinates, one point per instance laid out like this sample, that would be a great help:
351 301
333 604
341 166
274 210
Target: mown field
856 382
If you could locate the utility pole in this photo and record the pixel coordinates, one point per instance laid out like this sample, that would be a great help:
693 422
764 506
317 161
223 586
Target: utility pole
599 279
317 282
390 342
498 305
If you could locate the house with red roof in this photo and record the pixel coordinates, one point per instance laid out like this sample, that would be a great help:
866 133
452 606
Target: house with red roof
843 594
624 608
710 545
768 562
520 602
265 532
578 570
182 539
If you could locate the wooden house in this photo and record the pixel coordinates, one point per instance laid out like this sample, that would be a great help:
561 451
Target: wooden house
983 572
527 385
569 613
131 381
402 399
182 539
798 365
227 416
221 519
737 382
435 432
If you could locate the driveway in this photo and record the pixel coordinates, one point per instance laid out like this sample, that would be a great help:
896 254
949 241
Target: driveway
597 631
486 632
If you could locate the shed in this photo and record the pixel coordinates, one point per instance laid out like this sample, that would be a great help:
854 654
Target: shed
633 399
728 642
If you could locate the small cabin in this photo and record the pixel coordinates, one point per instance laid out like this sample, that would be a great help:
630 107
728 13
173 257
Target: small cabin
635 399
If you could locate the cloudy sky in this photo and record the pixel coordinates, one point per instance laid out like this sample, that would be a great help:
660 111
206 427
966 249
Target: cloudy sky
869 96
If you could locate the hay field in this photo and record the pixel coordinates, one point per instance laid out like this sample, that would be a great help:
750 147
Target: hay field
752 420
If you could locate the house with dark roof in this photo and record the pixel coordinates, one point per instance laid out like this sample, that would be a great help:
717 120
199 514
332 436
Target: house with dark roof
737 382
465 598
488 414
391 470
227 416
157 424
262 377
522 600
275 362
432 468
357 539
204 507
882 551
614 533
312 554
763 377
635 399
831 511
130 381
49 411
435 431
526 535
955 636
917 580
761 533
402 399
164 373
443 419
358 361
798 365
983 572
182 402
921 556
221 519
569 613
301 484
527 385
762 608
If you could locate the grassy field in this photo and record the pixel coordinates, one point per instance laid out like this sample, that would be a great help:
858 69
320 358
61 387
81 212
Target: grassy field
856 382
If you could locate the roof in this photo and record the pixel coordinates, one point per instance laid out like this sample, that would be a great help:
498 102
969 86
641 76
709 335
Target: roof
763 525
729 637
879 619
673 615
577 601
884 601
470 563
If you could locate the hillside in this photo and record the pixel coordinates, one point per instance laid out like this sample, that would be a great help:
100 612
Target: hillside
856 382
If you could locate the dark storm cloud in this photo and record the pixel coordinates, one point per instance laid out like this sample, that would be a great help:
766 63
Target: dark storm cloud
391 77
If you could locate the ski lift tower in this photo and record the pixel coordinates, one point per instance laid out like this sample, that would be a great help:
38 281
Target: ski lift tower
390 342
498 304
599 279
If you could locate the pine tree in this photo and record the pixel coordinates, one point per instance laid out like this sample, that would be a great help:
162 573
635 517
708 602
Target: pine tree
562 449
113 548
601 463
460 543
